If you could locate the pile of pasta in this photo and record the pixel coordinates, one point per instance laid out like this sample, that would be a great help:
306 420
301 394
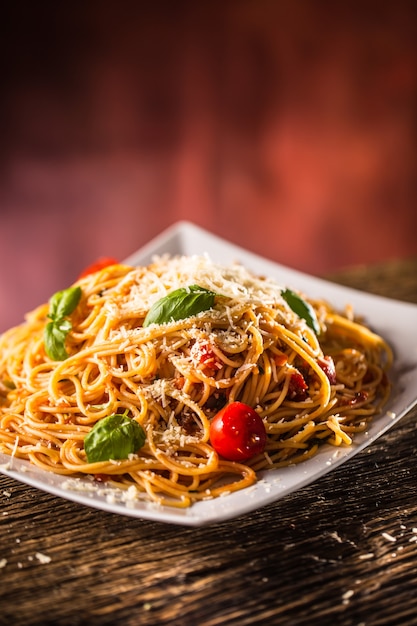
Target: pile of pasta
172 377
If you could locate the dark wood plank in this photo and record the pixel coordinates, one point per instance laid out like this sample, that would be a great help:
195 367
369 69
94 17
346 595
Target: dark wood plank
396 279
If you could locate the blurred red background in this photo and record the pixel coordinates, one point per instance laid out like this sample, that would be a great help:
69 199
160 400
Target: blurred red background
287 127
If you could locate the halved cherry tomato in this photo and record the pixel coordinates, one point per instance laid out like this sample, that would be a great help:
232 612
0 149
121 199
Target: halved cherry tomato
237 432
205 358
327 365
101 263
297 389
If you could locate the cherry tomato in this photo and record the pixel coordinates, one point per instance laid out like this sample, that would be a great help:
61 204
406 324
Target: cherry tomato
297 389
101 263
327 365
205 358
237 432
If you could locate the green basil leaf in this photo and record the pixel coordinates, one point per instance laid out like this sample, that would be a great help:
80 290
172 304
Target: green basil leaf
54 337
64 302
61 304
113 437
302 308
180 304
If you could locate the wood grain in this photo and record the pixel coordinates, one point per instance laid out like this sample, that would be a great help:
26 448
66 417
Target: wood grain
340 551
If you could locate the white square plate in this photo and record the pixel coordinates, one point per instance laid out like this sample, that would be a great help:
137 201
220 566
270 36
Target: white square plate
396 321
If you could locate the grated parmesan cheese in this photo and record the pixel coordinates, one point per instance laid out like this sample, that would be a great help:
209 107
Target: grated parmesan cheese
140 289
389 537
43 558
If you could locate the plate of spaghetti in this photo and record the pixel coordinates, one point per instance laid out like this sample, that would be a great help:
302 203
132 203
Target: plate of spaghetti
196 381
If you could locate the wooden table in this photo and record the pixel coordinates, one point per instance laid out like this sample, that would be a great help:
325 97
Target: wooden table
340 551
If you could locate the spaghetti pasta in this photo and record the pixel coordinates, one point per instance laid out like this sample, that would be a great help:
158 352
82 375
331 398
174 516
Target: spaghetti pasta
171 377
